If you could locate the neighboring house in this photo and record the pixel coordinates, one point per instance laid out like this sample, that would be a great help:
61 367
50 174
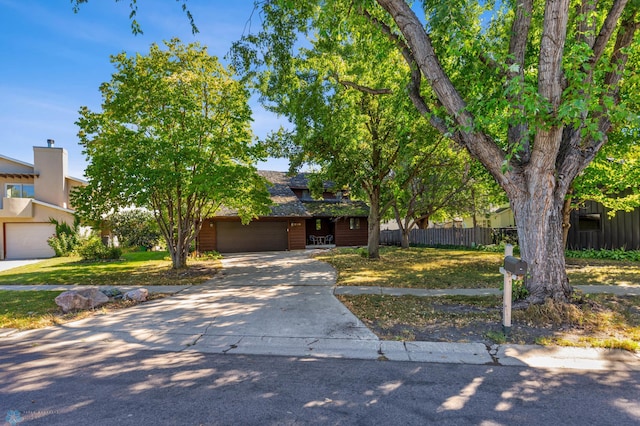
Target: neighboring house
32 195
500 217
296 221
592 228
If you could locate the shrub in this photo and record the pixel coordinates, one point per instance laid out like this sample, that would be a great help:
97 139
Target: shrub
210 255
92 248
518 290
65 239
618 254
135 228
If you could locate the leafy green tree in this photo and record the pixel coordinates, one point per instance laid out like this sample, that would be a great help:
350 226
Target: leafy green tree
448 185
612 179
350 116
173 136
530 89
135 228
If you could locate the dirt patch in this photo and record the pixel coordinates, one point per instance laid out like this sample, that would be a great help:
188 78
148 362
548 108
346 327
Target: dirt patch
606 321
464 324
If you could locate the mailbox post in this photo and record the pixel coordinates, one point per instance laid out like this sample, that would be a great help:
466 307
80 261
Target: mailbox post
513 268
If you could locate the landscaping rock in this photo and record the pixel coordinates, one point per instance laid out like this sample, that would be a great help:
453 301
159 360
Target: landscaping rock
138 295
112 292
80 299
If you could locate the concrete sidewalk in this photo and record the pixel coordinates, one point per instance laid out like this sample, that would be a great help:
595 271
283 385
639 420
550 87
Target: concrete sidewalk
631 290
282 303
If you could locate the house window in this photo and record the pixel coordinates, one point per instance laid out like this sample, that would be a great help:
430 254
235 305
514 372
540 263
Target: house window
354 223
305 194
318 224
19 190
590 222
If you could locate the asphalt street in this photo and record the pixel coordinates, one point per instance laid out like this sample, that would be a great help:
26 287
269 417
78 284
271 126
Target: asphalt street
110 385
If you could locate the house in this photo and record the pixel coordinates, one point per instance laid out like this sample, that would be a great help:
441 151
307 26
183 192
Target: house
592 228
296 221
32 195
500 217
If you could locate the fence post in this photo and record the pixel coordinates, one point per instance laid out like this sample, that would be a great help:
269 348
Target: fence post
507 294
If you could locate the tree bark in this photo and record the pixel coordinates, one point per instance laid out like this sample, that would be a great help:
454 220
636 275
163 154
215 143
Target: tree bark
405 228
537 184
543 251
373 241
566 220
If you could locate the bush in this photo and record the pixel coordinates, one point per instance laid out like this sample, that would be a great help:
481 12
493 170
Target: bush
618 254
93 249
135 228
65 239
518 290
210 255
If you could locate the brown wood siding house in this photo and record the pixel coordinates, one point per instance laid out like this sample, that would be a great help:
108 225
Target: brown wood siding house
295 217
592 228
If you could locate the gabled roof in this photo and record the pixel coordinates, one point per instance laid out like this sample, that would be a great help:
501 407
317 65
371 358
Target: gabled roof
25 174
13 160
287 204
337 208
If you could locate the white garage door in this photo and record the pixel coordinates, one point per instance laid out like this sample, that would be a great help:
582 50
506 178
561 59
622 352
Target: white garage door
28 240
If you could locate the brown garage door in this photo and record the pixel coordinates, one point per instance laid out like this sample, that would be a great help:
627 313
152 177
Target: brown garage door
233 237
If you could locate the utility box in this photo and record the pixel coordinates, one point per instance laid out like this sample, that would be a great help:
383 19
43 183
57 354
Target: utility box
515 266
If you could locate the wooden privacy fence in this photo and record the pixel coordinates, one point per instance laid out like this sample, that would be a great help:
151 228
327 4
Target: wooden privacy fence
449 236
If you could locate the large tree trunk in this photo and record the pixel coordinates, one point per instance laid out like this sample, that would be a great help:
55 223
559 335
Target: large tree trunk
539 222
538 179
373 241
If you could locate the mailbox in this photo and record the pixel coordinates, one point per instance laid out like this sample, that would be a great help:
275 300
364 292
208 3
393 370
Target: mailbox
515 266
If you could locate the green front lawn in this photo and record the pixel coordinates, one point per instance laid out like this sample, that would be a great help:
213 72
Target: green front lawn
134 269
35 309
27 309
432 268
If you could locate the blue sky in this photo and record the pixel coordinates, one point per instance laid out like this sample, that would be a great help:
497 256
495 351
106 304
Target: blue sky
53 62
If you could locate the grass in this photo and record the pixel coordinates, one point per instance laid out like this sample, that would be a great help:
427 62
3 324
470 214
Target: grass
431 268
416 268
135 268
591 320
35 309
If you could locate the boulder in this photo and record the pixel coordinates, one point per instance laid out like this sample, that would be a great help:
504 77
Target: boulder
73 300
138 295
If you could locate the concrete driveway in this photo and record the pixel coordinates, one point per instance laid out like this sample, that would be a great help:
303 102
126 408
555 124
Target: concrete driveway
10 264
282 303
261 302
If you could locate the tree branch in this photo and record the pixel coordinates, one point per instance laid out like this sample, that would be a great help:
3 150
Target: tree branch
518 132
607 30
363 89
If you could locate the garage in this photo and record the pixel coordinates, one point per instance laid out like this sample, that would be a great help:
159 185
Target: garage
28 240
234 237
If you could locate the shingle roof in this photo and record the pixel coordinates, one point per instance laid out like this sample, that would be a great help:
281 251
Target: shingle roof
330 208
287 204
